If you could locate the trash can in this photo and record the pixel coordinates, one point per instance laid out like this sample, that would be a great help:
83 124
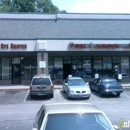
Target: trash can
96 76
119 77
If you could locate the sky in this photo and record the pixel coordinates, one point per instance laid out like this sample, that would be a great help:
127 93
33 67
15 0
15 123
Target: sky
93 6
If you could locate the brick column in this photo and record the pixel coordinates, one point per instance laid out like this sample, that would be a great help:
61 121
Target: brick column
42 56
45 58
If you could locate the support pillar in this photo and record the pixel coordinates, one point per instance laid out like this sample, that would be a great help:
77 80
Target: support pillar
42 56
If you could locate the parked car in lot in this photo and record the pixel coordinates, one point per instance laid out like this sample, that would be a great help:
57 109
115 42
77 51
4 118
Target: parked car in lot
71 116
76 87
41 84
106 86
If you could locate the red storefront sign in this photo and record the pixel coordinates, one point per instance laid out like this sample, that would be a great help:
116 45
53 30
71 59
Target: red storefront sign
72 45
13 46
107 46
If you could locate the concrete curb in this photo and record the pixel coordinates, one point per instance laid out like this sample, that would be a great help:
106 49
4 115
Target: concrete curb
55 87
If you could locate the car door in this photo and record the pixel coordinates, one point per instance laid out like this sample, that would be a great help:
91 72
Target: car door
42 114
65 85
98 83
93 84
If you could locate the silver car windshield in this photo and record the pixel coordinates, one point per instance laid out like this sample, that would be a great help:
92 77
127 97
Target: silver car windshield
74 121
73 82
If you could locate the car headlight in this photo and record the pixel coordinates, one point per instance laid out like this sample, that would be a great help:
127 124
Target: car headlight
88 90
72 91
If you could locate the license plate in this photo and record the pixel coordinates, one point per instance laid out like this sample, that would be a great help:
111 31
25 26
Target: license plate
41 89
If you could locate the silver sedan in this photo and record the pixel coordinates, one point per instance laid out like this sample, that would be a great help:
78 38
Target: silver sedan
76 87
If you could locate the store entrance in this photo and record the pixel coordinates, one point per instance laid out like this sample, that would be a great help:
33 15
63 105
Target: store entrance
116 69
66 70
16 74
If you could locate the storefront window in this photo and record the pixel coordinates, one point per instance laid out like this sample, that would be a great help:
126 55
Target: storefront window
67 60
0 68
86 67
28 67
34 66
50 66
6 68
125 66
98 65
107 67
58 67
76 66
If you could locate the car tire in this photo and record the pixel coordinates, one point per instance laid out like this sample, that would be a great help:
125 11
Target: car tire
100 93
63 91
67 95
31 96
52 95
118 94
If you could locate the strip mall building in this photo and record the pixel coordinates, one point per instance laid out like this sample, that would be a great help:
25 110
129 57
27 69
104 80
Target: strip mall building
63 44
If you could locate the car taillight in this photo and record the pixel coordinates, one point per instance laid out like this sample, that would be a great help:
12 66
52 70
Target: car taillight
52 87
30 87
120 87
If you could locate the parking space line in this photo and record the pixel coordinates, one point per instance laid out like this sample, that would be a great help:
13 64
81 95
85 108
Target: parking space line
126 95
59 95
93 96
26 96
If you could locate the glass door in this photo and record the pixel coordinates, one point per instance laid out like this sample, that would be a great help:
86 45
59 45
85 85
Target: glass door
16 71
16 74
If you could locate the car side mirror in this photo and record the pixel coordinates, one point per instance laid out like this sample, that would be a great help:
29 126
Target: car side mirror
115 127
87 83
66 83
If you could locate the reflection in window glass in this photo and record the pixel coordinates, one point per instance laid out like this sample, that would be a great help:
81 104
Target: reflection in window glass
34 66
58 67
125 66
50 66
98 65
75 121
76 66
6 68
0 68
86 67
116 59
67 60
107 67
28 67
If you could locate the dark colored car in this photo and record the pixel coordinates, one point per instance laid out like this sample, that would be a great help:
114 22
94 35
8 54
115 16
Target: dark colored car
106 86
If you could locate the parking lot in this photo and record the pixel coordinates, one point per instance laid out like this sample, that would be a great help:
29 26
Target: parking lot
114 107
22 96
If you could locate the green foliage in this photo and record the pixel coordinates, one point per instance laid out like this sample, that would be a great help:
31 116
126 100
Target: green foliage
41 6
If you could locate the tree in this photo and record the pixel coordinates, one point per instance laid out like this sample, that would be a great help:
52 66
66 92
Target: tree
41 6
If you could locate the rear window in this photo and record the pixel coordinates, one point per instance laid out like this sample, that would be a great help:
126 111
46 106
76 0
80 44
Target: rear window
41 81
111 81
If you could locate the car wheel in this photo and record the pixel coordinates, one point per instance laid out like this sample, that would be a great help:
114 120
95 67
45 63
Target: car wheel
118 94
52 95
31 96
100 92
67 95
63 91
